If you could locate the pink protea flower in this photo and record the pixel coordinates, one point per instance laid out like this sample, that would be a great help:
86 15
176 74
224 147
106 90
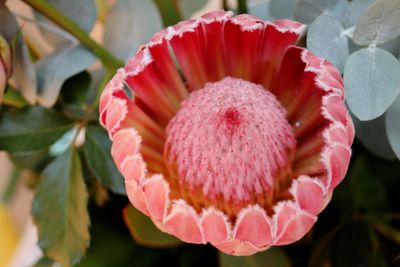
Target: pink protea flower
233 136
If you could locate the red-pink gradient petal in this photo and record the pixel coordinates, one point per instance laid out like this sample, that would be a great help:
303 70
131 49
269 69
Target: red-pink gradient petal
309 194
125 143
133 168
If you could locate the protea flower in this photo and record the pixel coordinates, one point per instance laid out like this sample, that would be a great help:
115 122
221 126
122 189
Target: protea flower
227 133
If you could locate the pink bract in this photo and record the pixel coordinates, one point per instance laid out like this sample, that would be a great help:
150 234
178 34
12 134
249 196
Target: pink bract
233 135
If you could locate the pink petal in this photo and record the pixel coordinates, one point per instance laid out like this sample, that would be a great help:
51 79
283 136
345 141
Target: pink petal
156 190
136 196
116 113
183 223
291 223
215 226
253 225
309 194
237 248
337 161
133 167
125 143
334 108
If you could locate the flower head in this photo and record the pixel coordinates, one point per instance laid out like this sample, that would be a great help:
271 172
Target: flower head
232 135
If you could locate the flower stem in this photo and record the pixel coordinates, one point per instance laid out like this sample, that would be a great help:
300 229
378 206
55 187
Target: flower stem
56 16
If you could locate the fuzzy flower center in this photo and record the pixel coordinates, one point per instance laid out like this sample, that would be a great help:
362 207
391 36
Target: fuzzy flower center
230 145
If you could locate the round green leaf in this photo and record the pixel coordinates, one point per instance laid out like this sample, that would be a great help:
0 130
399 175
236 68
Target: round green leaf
188 7
393 126
145 232
326 39
129 25
372 135
379 24
282 9
353 11
307 10
272 257
372 82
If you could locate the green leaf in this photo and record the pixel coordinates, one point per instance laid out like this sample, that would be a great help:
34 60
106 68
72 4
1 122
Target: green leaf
32 128
188 7
282 9
125 30
83 13
371 81
32 160
272 257
393 126
53 70
326 39
44 262
145 232
379 24
97 150
59 210
372 134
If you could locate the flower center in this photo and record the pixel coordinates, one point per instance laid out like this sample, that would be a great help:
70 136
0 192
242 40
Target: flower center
230 145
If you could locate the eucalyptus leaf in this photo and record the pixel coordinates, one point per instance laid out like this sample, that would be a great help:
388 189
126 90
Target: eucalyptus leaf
24 74
97 150
372 134
307 10
145 232
272 257
53 70
59 210
282 9
83 13
128 26
353 12
188 7
393 126
326 39
372 82
32 128
379 24
260 9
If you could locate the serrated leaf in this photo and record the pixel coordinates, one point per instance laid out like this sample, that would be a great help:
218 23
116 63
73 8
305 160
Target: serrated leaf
53 70
372 134
282 9
379 24
83 13
188 7
59 210
371 81
393 126
97 150
145 232
32 128
128 26
353 12
272 257
326 39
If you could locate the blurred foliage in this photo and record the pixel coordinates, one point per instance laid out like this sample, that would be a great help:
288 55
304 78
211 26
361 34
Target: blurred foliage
49 125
